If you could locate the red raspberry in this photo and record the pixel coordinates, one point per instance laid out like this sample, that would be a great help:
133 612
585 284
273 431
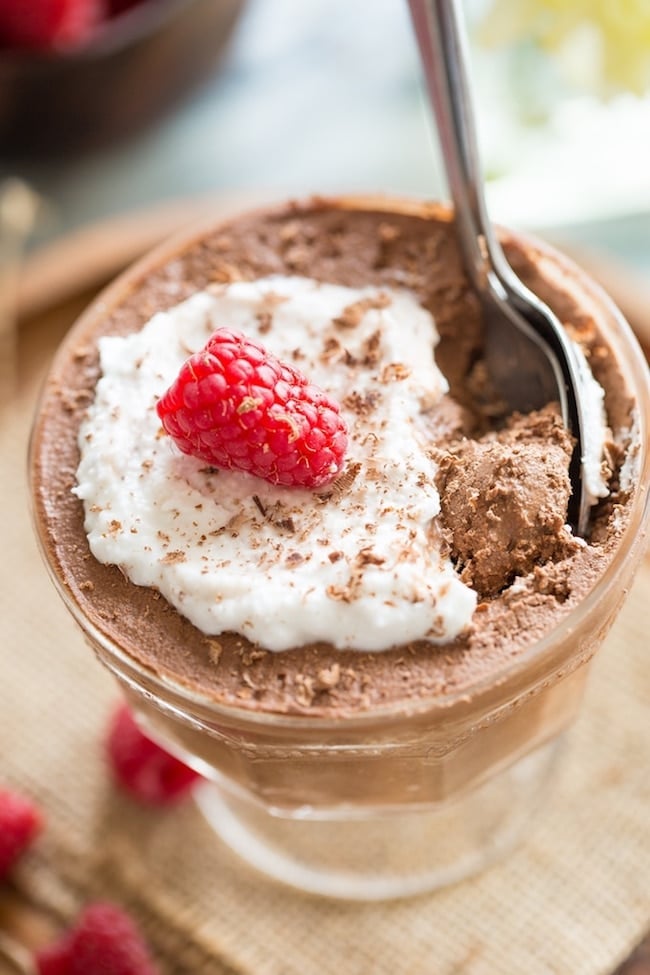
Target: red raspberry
44 24
20 821
142 767
236 406
104 941
55 959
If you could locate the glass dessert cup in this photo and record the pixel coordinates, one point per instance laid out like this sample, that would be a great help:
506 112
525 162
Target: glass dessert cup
384 804
399 800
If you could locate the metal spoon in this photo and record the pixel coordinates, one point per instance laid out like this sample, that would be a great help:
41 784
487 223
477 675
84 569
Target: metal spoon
528 354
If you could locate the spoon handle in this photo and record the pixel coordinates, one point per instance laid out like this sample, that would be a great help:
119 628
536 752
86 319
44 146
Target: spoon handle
442 44
439 30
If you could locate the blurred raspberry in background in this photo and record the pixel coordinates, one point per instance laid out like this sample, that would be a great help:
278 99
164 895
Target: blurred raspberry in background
49 24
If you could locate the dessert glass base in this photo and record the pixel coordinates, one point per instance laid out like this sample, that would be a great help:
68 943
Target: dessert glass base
374 854
369 809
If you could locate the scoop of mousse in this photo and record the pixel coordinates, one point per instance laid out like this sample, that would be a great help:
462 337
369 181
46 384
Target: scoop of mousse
504 499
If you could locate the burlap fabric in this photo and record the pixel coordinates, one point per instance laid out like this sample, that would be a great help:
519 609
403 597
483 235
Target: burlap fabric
572 901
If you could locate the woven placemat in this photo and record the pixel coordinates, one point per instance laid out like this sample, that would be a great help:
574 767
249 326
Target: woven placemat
575 898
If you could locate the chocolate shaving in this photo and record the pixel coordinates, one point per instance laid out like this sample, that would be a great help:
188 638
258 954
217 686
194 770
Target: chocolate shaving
328 677
215 649
305 692
394 371
274 515
388 232
293 559
371 349
289 231
366 556
173 557
363 404
352 315
334 351
264 321
342 483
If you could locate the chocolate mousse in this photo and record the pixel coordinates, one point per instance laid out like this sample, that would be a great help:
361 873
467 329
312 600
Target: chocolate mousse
503 481
504 500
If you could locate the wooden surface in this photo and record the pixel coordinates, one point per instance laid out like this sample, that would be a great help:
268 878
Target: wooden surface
85 262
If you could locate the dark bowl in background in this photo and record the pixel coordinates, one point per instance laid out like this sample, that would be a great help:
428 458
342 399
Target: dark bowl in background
134 69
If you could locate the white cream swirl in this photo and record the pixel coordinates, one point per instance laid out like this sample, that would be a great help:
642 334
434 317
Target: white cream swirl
358 565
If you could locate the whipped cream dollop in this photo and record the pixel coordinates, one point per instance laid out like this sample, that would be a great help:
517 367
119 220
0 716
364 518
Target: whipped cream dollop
357 564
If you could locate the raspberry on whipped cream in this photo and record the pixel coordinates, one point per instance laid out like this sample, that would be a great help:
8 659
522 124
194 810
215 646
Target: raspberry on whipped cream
236 406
